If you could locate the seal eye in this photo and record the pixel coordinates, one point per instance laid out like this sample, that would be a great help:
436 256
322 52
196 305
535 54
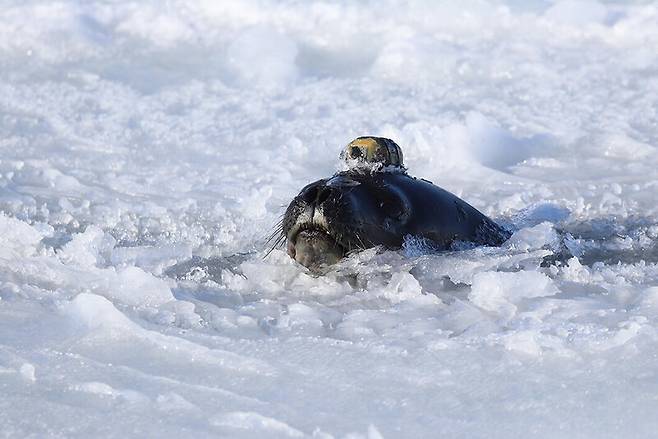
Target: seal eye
393 209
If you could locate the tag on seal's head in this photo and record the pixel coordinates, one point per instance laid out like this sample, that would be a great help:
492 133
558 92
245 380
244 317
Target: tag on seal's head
372 153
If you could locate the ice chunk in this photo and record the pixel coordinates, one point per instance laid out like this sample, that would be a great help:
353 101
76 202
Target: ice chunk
27 371
17 237
91 248
92 312
134 286
402 286
539 236
502 292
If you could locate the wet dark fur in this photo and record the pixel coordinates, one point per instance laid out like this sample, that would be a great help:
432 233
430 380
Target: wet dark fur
364 209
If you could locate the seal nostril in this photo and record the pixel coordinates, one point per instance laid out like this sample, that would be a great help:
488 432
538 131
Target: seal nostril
323 194
310 194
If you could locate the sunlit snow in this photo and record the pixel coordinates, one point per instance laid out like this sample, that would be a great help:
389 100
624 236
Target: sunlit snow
148 148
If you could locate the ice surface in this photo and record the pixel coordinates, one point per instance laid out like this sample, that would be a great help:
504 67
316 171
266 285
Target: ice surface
146 148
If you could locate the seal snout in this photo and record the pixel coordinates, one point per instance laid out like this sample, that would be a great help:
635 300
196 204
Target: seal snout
310 240
312 245
314 248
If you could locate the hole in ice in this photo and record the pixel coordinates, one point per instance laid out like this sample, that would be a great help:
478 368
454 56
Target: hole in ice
203 269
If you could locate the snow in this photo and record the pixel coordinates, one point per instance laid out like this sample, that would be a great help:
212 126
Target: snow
147 148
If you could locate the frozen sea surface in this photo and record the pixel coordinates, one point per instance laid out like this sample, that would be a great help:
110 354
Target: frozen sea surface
146 148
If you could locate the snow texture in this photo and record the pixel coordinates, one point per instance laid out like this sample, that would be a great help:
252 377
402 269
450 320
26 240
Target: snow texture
146 148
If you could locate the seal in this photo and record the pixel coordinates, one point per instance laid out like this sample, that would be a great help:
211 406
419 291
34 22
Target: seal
375 202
